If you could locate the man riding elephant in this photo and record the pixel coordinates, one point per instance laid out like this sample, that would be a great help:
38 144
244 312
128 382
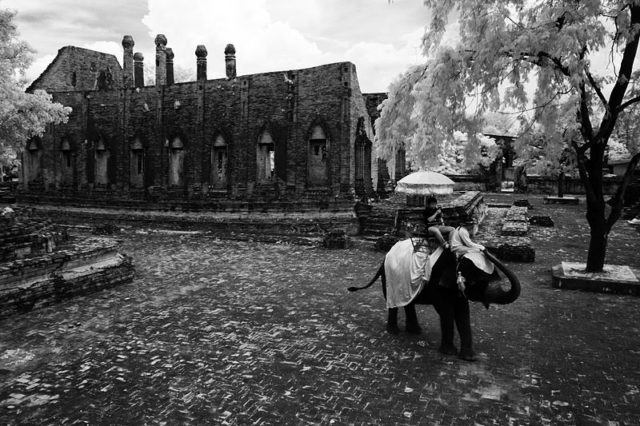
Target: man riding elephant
447 280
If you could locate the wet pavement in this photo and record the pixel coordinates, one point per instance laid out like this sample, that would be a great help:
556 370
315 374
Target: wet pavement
229 332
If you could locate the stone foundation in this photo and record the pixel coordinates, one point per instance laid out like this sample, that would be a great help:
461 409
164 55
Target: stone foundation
41 265
515 222
617 279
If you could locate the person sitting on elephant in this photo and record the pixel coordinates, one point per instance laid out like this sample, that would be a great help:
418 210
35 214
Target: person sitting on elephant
473 265
434 222
461 242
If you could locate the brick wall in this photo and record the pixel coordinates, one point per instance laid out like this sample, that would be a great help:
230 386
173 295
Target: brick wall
75 68
287 104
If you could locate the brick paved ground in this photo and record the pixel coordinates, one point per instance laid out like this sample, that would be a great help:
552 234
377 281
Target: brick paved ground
224 332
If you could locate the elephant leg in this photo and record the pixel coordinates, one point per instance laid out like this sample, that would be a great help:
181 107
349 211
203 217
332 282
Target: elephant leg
445 311
392 321
463 324
412 319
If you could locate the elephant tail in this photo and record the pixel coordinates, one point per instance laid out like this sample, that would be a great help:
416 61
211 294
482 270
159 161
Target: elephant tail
379 274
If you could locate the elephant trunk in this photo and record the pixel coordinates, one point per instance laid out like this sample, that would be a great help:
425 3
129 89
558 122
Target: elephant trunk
495 293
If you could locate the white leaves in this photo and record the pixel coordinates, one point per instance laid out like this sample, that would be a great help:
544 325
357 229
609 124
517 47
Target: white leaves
22 115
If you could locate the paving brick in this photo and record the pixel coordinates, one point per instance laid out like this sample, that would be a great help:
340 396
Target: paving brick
215 331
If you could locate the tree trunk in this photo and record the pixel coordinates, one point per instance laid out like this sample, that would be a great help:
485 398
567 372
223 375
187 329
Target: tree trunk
561 185
597 248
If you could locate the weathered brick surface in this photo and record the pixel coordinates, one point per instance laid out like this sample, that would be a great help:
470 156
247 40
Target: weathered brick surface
215 332
515 222
75 68
287 104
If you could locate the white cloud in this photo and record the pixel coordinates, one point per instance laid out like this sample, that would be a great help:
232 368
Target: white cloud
281 35
380 37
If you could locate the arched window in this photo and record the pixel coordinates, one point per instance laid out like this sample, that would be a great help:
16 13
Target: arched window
67 162
33 155
101 156
266 157
219 157
317 158
362 154
136 171
176 162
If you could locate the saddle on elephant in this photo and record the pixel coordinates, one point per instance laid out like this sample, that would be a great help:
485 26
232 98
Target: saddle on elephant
407 270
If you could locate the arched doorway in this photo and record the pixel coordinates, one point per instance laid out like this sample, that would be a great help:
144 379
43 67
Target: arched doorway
219 157
176 162
362 156
101 157
317 158
32 156
265 157
136 170
67 163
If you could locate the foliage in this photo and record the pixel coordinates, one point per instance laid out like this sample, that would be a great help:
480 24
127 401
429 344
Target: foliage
457 156
504 47
180 75
22 115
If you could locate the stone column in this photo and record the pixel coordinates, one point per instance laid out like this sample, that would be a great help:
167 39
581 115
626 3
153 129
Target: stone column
201 54
138 69
161 60
230 61
127 44
170 56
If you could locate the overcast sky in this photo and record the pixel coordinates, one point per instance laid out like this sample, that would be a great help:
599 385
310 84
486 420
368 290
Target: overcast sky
380 37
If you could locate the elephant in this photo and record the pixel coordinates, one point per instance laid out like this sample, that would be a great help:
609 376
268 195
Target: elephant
450 302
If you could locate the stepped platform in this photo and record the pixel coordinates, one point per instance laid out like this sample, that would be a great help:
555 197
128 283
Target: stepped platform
41 265
170 202
309 223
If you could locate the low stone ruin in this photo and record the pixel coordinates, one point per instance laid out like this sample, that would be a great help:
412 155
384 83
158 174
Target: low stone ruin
545 221
41 265
515 222
511 243
335 239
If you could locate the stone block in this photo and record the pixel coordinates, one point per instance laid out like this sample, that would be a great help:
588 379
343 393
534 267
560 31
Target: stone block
560 200
619 279
514 228
541 221
522 203
516 253
516 214
335 239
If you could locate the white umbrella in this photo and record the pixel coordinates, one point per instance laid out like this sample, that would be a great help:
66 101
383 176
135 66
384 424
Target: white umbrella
425 183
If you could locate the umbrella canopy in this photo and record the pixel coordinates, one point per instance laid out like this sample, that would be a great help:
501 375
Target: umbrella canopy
425 183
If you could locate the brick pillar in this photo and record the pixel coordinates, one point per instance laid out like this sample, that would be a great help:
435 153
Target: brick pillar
161 60
138 69
230 61
170 56
127 45
201 54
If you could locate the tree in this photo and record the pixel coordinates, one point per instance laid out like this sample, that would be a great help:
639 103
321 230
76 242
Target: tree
505 47
180 75
22 115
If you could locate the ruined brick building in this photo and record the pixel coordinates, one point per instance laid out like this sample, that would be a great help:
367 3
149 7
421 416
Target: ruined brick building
298 135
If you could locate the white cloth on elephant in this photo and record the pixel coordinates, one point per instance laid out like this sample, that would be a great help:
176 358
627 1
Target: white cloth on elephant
462 246
405 271
431 261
